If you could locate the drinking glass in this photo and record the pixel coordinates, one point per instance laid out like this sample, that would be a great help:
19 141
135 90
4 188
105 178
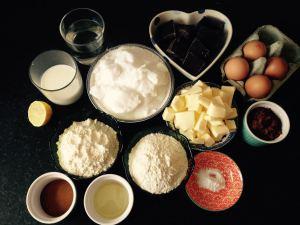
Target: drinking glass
63 86
83 31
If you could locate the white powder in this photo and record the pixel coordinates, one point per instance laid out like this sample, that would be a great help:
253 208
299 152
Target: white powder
158 163
130 83
87 148
211 179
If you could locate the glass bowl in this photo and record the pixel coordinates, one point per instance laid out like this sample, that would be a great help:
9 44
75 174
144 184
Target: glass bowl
167 100
62 125
162 130
225 140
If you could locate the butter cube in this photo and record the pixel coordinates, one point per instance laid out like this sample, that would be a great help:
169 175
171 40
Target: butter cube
204 101
231 113
219 131
195 89
207 92
201 84
216 110
216 122
168 114
229 90
208 140
178 103
198 140
184 120
192 102
201 123
215 91
189 134
218 100
231 125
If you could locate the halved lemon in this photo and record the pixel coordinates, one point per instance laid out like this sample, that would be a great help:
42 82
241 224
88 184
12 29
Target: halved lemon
39 113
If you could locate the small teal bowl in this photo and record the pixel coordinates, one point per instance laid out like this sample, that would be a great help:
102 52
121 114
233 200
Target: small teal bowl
255 141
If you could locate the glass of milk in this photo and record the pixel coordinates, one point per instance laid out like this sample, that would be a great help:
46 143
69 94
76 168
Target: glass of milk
56 75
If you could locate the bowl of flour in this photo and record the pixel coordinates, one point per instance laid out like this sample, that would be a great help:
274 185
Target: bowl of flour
130 82
158 160
86 145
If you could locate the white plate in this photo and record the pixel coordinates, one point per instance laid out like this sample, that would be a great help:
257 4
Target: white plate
189 19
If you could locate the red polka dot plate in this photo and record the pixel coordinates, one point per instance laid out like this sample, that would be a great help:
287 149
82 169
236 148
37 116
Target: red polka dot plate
216 182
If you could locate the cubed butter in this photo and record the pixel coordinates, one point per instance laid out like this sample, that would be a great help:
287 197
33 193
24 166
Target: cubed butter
218 100
168 114
184 120
204 101
219 131
201 84
207 92
231 125
178 103
216 110
192 102
208 140
201 123
215 91
231 113
230 93
189 134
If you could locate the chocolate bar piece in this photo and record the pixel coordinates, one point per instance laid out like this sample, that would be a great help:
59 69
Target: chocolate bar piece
186 31
193 64
211 22
199 49
178 48
165 31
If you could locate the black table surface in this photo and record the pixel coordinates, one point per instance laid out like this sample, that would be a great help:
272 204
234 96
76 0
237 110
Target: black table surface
270 173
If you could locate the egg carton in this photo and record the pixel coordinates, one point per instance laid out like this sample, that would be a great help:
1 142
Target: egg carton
278 44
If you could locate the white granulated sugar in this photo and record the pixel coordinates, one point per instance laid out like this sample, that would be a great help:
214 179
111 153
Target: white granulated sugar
158 163
87 148
130 82
211 179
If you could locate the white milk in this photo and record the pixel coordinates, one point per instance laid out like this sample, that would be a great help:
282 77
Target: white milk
60 86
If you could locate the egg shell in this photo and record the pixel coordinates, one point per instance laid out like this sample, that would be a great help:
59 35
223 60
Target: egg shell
254 49
258 86
277 68
236 68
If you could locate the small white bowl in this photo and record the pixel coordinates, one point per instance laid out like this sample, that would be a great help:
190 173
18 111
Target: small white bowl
33 197
190 19
251 138
89 199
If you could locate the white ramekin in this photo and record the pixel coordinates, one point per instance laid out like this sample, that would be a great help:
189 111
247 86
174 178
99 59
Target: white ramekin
89 199
33 197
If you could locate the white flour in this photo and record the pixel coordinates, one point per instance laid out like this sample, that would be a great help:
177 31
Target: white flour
130 83
87 148
158 163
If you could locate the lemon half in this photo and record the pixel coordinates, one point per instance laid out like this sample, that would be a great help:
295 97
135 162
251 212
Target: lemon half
39 113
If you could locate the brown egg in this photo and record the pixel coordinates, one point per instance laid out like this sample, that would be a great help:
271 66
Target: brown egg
236 68
277 68
258 86
254 49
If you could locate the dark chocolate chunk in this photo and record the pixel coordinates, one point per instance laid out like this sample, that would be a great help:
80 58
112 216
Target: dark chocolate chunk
193 64
199 49
164 43
211 22
165 31
186 31
210 37
178 48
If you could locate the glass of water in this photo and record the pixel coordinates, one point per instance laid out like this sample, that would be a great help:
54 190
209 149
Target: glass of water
83 31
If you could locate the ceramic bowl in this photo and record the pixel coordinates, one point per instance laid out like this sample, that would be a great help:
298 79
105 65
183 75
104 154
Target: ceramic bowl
189 19
225 140
89 199
96 103
255 141
162 130
62 125
33 197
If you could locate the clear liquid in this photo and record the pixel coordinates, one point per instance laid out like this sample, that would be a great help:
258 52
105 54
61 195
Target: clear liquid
84 32
111 200
85 37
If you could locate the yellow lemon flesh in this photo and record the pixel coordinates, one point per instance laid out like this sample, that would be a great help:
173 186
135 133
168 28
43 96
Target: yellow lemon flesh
39 113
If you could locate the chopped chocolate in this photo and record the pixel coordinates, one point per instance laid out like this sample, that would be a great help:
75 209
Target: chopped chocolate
199 49
186 31
165 31
193 63
178 47
211 22
210 37
264 123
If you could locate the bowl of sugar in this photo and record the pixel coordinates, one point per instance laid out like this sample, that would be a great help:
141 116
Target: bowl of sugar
130 82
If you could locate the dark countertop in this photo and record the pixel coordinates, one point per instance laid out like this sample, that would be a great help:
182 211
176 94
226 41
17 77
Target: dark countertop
270 173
